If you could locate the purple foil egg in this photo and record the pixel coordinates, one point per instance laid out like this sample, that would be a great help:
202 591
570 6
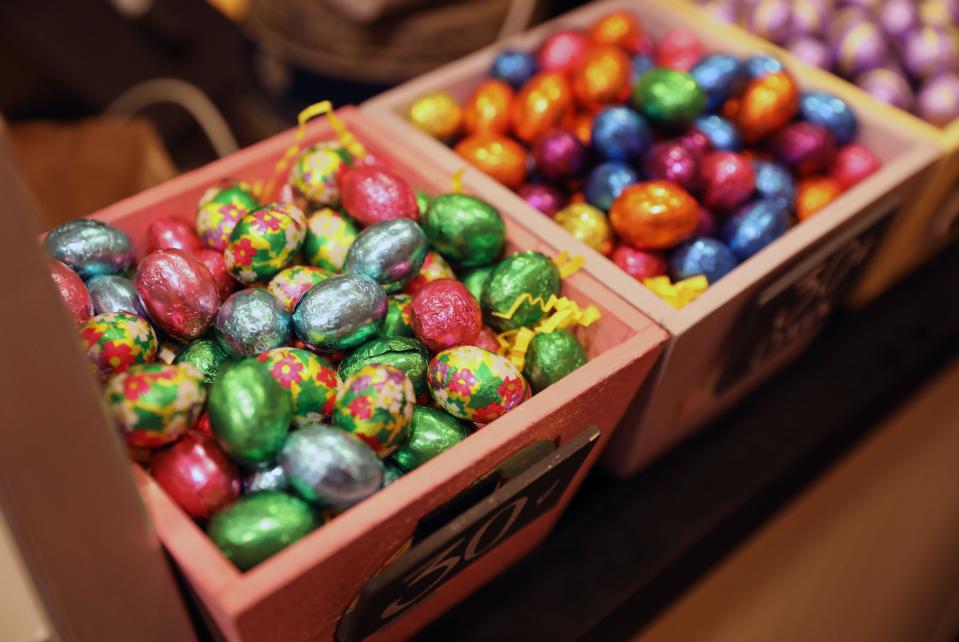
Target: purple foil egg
707 223
929 51
939 13
898 17
771 19
809 17
805 147
812 51
675 162
860 48
695 140
938 99
724 10
844 19
865 5
888 86
560 156
545 198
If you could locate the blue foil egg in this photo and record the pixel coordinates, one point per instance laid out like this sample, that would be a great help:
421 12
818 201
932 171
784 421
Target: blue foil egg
114 293
762 65
252 321
822 108
701 256
641 63
606 181
775 182
620 134
391 253
722 134
720 76
90 248
514 67
754 227
340 313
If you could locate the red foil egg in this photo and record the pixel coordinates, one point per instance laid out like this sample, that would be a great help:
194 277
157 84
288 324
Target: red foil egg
767 104
620 28
654 215
203 424
602 76
804 147
853 163
680 50
639 264
178 292
562 50
488 109
373 194
541 105
73 292
197 475
487 340
728 180
444 314
813 194
172 233
498 156
213 260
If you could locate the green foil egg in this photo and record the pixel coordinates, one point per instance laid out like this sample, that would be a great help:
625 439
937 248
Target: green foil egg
476 280
467 231
530 273
407 354
260 525
207 356
551 356
250 413
397 322
423 201
669 98
432 432
391 472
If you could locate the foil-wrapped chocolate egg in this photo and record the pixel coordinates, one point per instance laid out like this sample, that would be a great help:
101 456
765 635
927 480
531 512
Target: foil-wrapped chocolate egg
269 477
754 227
761 65
812 51
673 161
939 13
767 104
311 380
898 17
252 321
679 49
805 147
602 76
114 293
329 468
888 86
542 104
641 63
701 256
196 474
639 264
560 156
172 232
771 19
222 205
720 133
618 133
810 17
476 385
720 76
313 175
213 261
391 253
373 194
154 403
295 281
587 224
466 230
929 51
178 293
551 356
668 98
445 314
406 353
513 67
432 432
397 321
728 180
606 182
498 156
487 339
72 291
114 341
853 164
544 198
654 215
860 47
260 525
475 280
775 182
264 242
90 247
562 50
207 356
329 236
434 268
438 114
814 193
375 405
937 101
250 413
620 28
822 108
521 274
488 109
340 313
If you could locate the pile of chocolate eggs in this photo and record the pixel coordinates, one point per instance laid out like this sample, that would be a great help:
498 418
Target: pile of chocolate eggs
667 159
903 52
273 364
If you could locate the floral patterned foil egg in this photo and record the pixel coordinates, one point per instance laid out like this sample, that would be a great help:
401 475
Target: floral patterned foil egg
154 403
264 242
475 384
221 207
293 282
375 404
114 341
311 380
313 176
329 236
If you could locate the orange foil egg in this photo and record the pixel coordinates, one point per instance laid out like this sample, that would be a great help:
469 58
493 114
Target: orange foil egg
619 28
602 76
768 103
502 158
582 126
654 215
815 193
488 109
541 105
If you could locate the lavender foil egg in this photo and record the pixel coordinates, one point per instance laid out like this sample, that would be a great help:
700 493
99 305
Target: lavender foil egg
812 51
888 86
938 99
545 198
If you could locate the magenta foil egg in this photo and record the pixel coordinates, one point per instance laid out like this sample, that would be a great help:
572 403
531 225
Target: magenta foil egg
859 48
938 99
888 86
805 147
560 156
728 179
545 198
696 141
929 51
675 162
707 223
812 51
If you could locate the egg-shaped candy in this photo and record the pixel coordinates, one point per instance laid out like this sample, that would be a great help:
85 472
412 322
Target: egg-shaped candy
621 134
213 261
521 274
221 207
541 105
311 380
432 432
73 292
620 28
822 108
154 403
434 268
888 86
639 264
172 232
260 525
720 76
775 182
373 194
543 198
811 51
252 321
313 175
488 109
487 339
476 385
250 413
437 114
397 321
679 49
771 19
391 253
340 313
562 50
475 280
178 293
90 247
464 229
641 63
207 356
761 65
767 103
269 477
264 242
513 67
295 281
496 155
754 227
560 156
673 161
329 468
114 293
375 405
860 47
805 147
668 98
602 76
929 51
406 353
197 475
587 224
551 356
853 164
114 341
720 133
814 193
701 257
654 215
810 17
606 182
937 101
329 236
728 180
445 314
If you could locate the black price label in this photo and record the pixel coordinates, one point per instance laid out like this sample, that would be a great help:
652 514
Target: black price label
465 539
796 305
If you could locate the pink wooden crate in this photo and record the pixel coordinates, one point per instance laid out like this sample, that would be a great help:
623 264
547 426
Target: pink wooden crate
301 593
786 290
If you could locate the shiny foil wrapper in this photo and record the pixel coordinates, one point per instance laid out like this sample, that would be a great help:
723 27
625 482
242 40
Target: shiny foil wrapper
197 475
172 233
673 161
372 194
528 272
606 182
115 293
496 155
432 432
444 314
391 253
178 293
252 321
340 313
560 156
654 215
551 356
91 247
466 230
268 478
406 353
701 256
489 109
73 292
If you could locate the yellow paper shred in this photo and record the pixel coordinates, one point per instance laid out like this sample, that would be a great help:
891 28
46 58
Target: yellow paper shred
677 294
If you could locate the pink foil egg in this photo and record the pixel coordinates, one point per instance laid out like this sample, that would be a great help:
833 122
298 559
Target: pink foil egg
373 194
805 147
562 51
728 180
639 264
213 260
172 233
178 292
673 161
73 291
